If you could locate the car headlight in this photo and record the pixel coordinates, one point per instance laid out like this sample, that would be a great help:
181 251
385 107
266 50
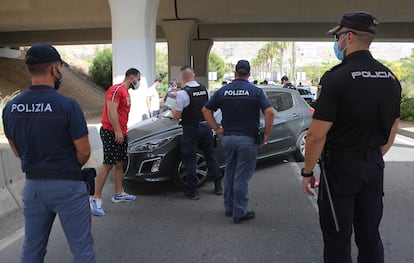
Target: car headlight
150 145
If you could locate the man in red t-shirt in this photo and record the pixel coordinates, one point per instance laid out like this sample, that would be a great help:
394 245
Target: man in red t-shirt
114 139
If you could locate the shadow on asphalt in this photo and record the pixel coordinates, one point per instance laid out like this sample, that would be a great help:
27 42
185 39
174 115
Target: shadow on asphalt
159 188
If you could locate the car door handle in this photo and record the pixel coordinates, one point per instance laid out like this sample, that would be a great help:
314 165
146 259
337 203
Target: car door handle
295 115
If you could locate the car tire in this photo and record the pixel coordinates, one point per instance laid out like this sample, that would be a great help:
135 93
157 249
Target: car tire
178 174
299 153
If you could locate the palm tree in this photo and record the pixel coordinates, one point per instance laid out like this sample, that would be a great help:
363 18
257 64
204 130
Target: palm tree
293 65
281 47
268 54
262 57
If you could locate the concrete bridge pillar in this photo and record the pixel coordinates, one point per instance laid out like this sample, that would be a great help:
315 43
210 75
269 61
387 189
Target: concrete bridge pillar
133 45
200 50
179 35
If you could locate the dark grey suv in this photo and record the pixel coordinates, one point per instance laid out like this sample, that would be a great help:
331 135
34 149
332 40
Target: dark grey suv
154 144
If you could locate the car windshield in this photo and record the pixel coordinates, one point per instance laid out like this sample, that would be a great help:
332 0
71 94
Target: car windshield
303 92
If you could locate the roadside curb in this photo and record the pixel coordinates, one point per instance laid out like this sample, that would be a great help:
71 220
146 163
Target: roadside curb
406 128
406 133
11 182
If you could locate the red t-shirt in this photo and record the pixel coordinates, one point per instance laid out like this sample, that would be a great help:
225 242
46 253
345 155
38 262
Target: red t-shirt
118 94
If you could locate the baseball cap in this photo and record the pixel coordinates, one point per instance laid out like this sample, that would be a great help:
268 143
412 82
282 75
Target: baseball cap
361 21
42 53
243 67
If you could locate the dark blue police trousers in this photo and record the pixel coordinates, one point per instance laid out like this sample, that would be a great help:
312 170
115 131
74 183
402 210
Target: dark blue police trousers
198 136
241 155
42 200
356 184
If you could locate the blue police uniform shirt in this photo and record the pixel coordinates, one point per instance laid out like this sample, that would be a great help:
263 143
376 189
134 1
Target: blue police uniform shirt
240 102
42 124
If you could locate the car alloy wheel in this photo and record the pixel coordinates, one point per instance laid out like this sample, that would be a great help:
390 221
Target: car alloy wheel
299 154
201 171
302 144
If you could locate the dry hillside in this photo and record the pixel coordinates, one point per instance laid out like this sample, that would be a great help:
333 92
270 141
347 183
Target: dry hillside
14 76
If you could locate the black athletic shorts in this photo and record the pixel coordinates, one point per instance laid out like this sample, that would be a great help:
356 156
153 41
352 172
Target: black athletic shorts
113 152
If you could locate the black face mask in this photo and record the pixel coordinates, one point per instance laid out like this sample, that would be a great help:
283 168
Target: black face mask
57 83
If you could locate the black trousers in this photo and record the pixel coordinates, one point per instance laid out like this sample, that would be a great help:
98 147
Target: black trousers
356 184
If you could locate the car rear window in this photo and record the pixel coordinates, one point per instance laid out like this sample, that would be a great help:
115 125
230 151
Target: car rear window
281 101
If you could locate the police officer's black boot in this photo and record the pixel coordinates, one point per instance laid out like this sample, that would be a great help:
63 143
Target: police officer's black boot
218 186
192 194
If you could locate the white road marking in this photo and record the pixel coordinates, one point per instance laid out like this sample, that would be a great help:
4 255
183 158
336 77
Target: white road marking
404 139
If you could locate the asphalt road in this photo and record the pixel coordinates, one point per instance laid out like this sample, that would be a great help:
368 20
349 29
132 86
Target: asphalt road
163 226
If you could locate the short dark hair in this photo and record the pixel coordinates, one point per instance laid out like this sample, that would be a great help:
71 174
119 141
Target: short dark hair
157 80
39 69
132 71
185 67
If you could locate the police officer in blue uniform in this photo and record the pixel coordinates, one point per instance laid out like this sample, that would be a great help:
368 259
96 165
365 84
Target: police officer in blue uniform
48 132
240 103
354 125
196 133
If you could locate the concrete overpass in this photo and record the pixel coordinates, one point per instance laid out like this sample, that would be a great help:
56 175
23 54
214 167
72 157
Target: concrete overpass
23 22
189 26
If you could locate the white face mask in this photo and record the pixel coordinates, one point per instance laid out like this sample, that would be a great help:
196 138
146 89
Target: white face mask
135 85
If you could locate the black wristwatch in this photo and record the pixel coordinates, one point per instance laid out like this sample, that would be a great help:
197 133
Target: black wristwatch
302 172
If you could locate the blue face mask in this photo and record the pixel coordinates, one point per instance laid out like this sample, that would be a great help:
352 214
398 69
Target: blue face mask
339 53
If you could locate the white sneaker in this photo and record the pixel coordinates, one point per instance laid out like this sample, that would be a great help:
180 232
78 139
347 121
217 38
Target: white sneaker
123 197
96 207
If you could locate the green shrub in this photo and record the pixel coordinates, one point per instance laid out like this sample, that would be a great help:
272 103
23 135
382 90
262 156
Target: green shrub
407 108
101 68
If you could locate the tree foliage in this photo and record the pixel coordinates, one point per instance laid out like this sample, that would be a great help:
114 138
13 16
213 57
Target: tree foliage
101 68
216 64
315 72
161 70
407 108
161 65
